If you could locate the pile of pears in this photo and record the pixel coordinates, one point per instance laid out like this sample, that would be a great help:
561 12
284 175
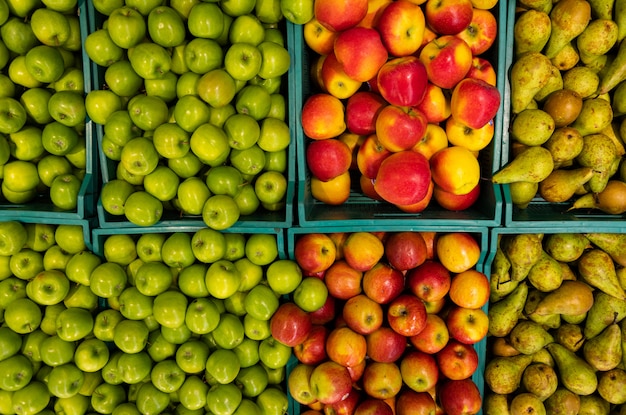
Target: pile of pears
568 105
557 325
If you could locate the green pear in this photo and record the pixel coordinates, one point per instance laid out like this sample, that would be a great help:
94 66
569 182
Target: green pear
594 404
604 351
543 5
597 39
546 274
611 200
504 314
582 80
574 372
500 280
613 244
565 144
540 379
569 18
567 57
611 386
599 154
619 12
522 193
531 31
496 404
615 71
523 251
565 247
527 403
543 356
602 9
503 374
572 298
532 127
570 336
597 268
595 115
529 337
619 100
529 73
533 164
562 402
605 311
561 185
555 83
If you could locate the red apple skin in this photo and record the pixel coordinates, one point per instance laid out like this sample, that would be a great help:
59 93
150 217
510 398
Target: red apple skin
403 178
481 32
430 281
382 283
405 250
290 324
326 313
482 69
467 325
370 156
361 52
323 116
409 402
406 315
401 25
312 350
345 406
422 204
328 158
385 345
362 314
419 371
457 360
314 252
362 109
436 104
356 372
474 102
343 281
460 397
340 15
371 406
402 81
400 128
447 60
382 380
433 337
456 203
335 80
367 188
331 382
448 17
345 346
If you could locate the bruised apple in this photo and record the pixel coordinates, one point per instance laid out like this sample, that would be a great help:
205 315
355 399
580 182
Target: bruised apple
402 81
361 111
403 178
328 158
400 128
361 52
474 102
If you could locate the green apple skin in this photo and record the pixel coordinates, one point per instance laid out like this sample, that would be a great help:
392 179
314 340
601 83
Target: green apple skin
150 61
18 73
45 63
208 245
220 212
131 336
237 7
192 394
210 144
101 49
191 195
72 79
56 258
13 115
284 276
223 366
105 322
158 348
27 143
143 209
242 61
246 28
151 400
224 398
91 355
202 316
166 27
109 373
68 108
261 249
70 237
74 404
270 187
252 380
235 245
250 161
169 308
148 112
10 343
234 303
122 79
153 278
127 27
222 279
190 112
106 397
35 102
81 296
229 332
310 294
108 280
162 183
224 180
149 246
26 264
273 401
186 166
32 398
205 20
119 127
273 353
251 273
114 194
191 281
134 367
256 329
171 140
23 315
56 351
253 100
167 377
65 380
64 191
51 166
15 372
134 305
79 268
74 324
163 87
191 356
261 302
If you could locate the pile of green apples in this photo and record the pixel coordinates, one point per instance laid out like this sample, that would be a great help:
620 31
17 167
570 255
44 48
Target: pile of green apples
156 323
190 102
42 101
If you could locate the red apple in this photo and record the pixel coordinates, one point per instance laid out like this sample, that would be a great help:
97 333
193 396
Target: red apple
383 283
367 187
400 128
448 17
298 382
339 15
409 402
460 397
481 32
433 337
290 325
345 346
312 350
371 406
403 178
335 79
330 382
422 204
474 102
345 406
382 380
467 325
457 360
419 371
314 252
436 104
385 345
327 159
402 81
401 25
362 314
447 60
361 111
342 280
405 250
326 313
482 69
370 155
361 52
407 315
430 281
452 202
323 116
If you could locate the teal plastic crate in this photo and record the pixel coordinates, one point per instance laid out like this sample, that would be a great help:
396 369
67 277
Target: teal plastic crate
172 218
42 207
362 210
481 234
539 212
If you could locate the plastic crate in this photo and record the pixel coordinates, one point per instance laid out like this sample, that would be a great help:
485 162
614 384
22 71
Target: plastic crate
362 210
481 234
539 212
173 218
42 207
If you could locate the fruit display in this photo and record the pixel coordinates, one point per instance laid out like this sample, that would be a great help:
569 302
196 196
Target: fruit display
392 321
191 106
45 156
402 99
556 324
566 124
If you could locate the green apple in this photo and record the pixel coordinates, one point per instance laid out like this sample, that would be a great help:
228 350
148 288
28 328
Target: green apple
108 280
251 273
10 343
105 322
20 75
268 11
177 251
74 404
242 61
170 140
13 237
252 380
15 372
131 336
144 6
158 348
224 180
68 108
123 174
107 6
27 143
18 36
183 7
219 115
186 166
45 63
70 237
23 315
50 26
149 246
31 399
11 288
26 264
250 161
12 116
276 160
18 198
49 321
191 356
150 61
310 294
273 353
246 28
148 112
114 194
81 296
56 351
284 276
191 281
169 308
202 316
106 397
162 183
51 166
80 266
166 27
187 80
22 8
261 249
192 393
74 41
223 399
217 87
101 49
242 131
220 212
150 400
134 367
297 12
234 303
91 355
272 85
31 345
5 55
205 20
255 328
100 103
5 150
278 107
134 305
253 100
74 324
153 278
120 249
273 401
122 79
111 150
275 60
247 352
35 102
208 245
65 380
58 139
126 26
270 187
92 380
164 87
56 258
190 112
110 373
210 144
261 302
222 279
167 376
202 55
64 191
275 135
139 156
191 194
7 87
119 127
235 245
237 7
222 366
72 79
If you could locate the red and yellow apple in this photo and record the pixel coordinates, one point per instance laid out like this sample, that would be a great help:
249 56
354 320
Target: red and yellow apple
370 155
332 192
474 139
419 371
314 252
481 32
403 178
316 36
330 382
339 15
405 250
482 69
382 283
447 59
433 337
457 360
323 116
429 281
345 346
401 25
312 350
385 345
455 169
406 315
400 128
335 79
436 104
362 314
327 159
448 17
402 81
343 281
362 108
474 102
467 325
361 52
456 203
434 139
363 250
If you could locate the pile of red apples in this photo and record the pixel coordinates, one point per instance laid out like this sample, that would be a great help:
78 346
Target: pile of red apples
404 100
397 331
